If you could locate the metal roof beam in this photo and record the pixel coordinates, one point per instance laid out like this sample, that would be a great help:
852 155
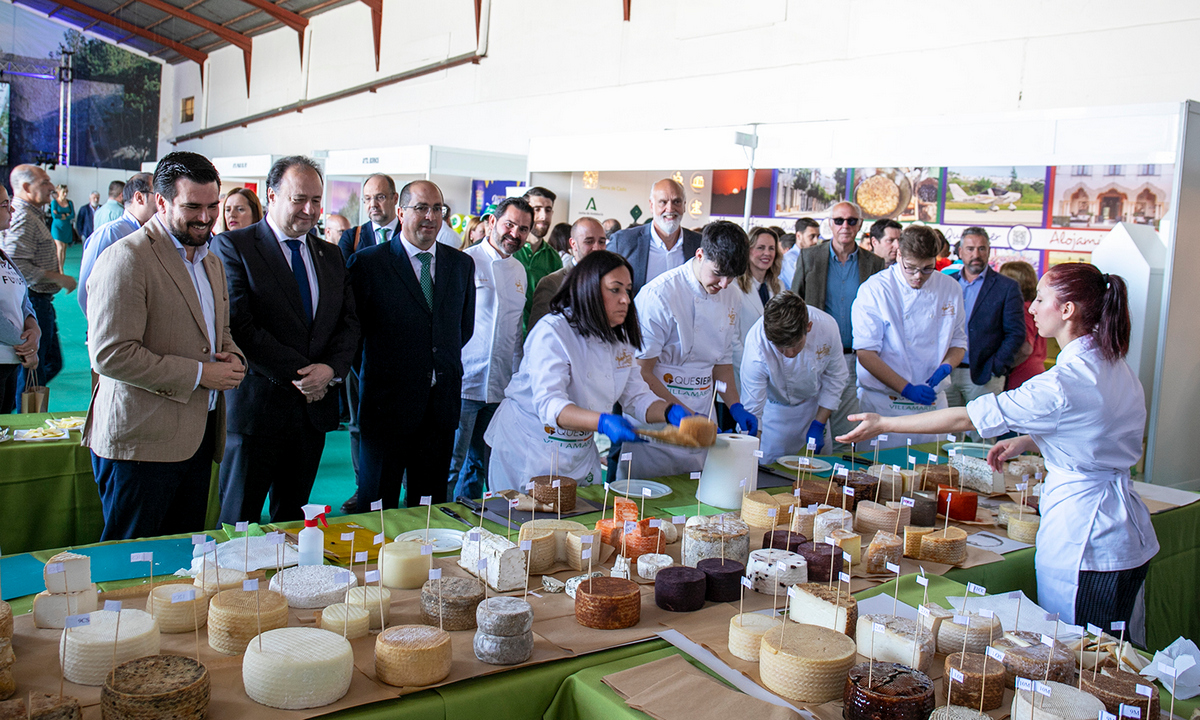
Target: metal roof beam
376 25
287 17
190 53
229 36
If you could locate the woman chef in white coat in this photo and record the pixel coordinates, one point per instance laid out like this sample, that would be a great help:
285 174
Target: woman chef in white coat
1086 416
909 331
791 375
578 357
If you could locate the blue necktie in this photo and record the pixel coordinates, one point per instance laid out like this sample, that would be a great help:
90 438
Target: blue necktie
300 272
764 293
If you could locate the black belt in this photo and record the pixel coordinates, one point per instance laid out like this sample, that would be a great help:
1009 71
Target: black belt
847 351
965 366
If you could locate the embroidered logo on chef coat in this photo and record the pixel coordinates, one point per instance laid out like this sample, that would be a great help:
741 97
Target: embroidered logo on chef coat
949 309
823 351
732 316
624 359
520 287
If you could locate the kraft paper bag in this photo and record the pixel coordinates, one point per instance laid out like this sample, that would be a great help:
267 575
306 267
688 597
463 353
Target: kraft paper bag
35 398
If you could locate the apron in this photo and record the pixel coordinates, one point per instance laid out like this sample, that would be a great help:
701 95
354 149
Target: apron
522 444
785 428
692 386
892 405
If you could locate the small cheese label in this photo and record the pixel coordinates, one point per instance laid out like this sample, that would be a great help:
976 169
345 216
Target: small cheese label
987 613
1042 688
435 573
977 589
342 576
488 495
347 537
812 444
844 577
250 585
1047 641
843 472
1144 690
793 590
1037 475
803 461
589 539
74 621
607 487
952 452
912 459
1118 626
847 490
426 549
924 611
995 654
1051 617
112 605
742 483
1163 668
529 485
558 484
813 507
962 619
474 536
426 499
629 526
243 526
678 519
626 456
199 539
513 503
907 502
379 539
586 554
892 568
922 581
1022 486
878 627
210 546
655 523
526 545
847 557
719 385
758 453
747 584
377 505
1130 711
1015 595
933 459
1024 683
482 564
646 492
796 492
950 437
360 557
371 576
141 557
694 476
883 438
54 568
275 538
1093 630
875 442
1106 715
772 512
956 675
909 441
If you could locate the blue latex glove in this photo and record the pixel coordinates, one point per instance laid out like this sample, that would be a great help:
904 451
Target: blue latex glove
745 420
676 413
938 376
617 428
816 433
920 394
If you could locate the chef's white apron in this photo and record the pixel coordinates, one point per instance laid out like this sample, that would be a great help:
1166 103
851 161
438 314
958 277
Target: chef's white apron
522 444
890 404
785 428
691 386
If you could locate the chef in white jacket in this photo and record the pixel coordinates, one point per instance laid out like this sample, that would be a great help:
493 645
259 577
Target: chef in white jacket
688 319
1086 415
489 358
792 375
909 331
579 360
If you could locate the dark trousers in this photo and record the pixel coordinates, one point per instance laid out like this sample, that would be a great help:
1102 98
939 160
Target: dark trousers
1106 597
256 466
148 499
8 388
351 386
50 360
386 454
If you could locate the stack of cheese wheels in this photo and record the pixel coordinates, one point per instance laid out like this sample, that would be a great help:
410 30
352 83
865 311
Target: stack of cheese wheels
827 522
901 641
864 485
293 668
925 508
848 541
69 590
177 617
679 589
983 680
505 561
212 579
1026 656
412 655
822 605
1115 688
947 546
824 562
931 476
722 579
505 634
235 616
8 685
640 540
403 565
803 519
42 706
977 634
745 634
545 492
887 691
884 548
958 504
376 600
772 572
650 564
6 621
758 504
805 663
1023 527
88 651
163 686
1063 703
346 619
608 603
871 517
449 603
817 492
715 536
912 540
783 540
313 586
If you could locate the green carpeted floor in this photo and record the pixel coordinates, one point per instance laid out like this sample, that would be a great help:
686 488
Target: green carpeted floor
71 390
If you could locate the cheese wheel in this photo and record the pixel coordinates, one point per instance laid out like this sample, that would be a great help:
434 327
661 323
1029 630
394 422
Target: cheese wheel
886 691
642 540
212 579
978 634
805 663
756 505
177 617
88 651
722 579
503 650
835 519
1026 656
930 476
156 686
624 509
670 532
576 546
1005 510
1024 527
893 483
900 642
648 565
864 485
957 504
772 572
819 604
7 657
912 540
295 668
8 684
884 548
412 655
872 517
1064 703
947 546
450 602
403 565
745 634
541 553
957 712
313 586
505 560
1115 688
44 707
679 589
983 680
925 508
545 492
783 540
504 616
375 600
50 610
716 536
818 492
975 474
74 572
849 541
235 616
6 621
824 562
608 603
346 619
560 528
802 521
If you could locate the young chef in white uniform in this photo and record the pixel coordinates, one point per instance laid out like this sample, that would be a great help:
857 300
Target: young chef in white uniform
688 318
792 375
579 360
909 331
1086 415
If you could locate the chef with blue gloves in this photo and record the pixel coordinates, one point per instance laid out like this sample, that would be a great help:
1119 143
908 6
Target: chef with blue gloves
909 331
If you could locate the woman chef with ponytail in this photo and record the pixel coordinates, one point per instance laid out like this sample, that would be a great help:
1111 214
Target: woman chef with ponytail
1086 416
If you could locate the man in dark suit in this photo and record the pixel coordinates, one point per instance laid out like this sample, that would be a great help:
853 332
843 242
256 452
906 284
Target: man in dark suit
663 244
292 313
995 322
416 300
827 277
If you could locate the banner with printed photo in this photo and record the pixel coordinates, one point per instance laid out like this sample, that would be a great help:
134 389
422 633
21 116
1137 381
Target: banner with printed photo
997 195
904 194
490 192
807 192
729 192
625 196
1100 196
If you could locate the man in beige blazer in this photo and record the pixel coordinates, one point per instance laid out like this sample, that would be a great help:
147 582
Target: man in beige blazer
158 336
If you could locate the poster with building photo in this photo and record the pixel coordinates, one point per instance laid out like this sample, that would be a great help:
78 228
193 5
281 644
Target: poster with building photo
805 192
1100 196
905 193
1003 195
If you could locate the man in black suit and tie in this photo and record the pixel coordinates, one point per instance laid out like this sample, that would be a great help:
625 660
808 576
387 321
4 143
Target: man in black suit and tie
292 312
663 244
417 308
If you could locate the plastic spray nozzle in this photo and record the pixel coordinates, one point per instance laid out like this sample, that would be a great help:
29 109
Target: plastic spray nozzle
315 513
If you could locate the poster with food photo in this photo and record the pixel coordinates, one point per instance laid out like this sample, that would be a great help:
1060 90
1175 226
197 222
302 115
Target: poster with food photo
999 195
905 193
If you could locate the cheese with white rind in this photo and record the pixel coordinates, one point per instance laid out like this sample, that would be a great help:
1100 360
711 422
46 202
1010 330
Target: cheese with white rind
412 655
807 663
572 583
235 616
829 521
295 668
884 548
982 682
774 571
177 617
50 610
745 634
670 532
87 651
504 616
818 604
1026 656
648 565
505 561
1064 703
76 573
849 541
346 619
802 521
503 650
403 565
313 586
621 567
979 634
716 536
975 474
373 598
896 643
450 602
947 546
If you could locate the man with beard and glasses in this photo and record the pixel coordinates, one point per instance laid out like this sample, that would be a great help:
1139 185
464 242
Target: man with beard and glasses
537 256
489 359
587 236
995 322
661 245
159 337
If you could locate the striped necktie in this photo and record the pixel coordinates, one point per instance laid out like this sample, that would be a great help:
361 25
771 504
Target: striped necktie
426 277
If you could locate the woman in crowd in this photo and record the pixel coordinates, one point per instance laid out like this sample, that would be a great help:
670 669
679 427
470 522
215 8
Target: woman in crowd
758 284
19 331
559 239
62 229
473 232
240 209
1030 359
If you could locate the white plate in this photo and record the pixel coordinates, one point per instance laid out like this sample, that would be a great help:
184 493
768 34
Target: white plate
792 462
67 423
20 436
973 449
443 539
633 488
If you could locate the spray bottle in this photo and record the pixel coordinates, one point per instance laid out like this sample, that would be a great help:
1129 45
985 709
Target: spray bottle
312 540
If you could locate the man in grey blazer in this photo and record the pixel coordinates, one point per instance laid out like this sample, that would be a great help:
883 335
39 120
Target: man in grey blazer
663 244
827 277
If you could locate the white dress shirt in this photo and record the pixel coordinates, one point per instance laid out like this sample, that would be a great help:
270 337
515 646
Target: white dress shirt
204 293
313 290
661 259
413 250
390 227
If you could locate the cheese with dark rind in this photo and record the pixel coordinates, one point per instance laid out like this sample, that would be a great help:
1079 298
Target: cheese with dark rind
723 579
930 476
983 678
679 589
925 508
887 691
783 540
450 602
805 663
864 485
156 686
1026 656
412 655
1115 687
818 604
545 492
608 603
503 649
824 562
504 616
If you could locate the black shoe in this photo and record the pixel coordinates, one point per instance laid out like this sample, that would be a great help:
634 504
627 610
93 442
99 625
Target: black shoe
350 506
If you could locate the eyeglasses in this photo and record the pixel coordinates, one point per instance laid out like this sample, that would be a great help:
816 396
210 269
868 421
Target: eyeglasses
851 221
913 272
428 210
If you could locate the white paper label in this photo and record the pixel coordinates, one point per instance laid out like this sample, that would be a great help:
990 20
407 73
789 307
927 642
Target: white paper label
243 526
847 557
435 573
1130 711
952 452
956 675
371 576
844 577
529 485
796 492
694 476
875 442
1163 668
112 605
892 568
1118 626
995 654
812 444
924 612
1051 617
878 627
629 526
1024 684
514 503
922 581
586 554
250 585
847 490
909 441
758 453
489 494
1144 690
556 484
742 483
426 549
1093 630
342 576
772 512
377 505
977 589
985 613
719 385
646 492
1015 595
1042 688
347 537
74 621
1047 641
210 546
183 596
747 584
360 556
907 502
962 619
950 437
482 565
1106 715
843 472
655 523
589 539
793 590
678 519
626 456
474 536
275 538
199 539
379 539
912 459
883 438
526 545
426 499
1022 486
933 459
141 557
803 461
895 468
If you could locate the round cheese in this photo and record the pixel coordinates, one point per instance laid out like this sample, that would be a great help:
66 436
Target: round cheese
912 540
924 509
805 663
1007 509
745 634
893 483
670 532
679 589
1064 703
648 565
541 547
802 521
8 684
723 579
783 540
545 492
864 485
403 565
1024 527
1115 688
827 522
872 517
6 621
957 503
642 540
983 680
757 504
177 617
412 655
162 686
88 652
504 616
313 586
608 603
346 619
44 707
235 616
450 602
884 548
212 579
1026 656
376 600
824 561
957 712
772 572
978 635
7 656
502 649
295 668
817 492
886 691
901 641
715 536
930 476
947 546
